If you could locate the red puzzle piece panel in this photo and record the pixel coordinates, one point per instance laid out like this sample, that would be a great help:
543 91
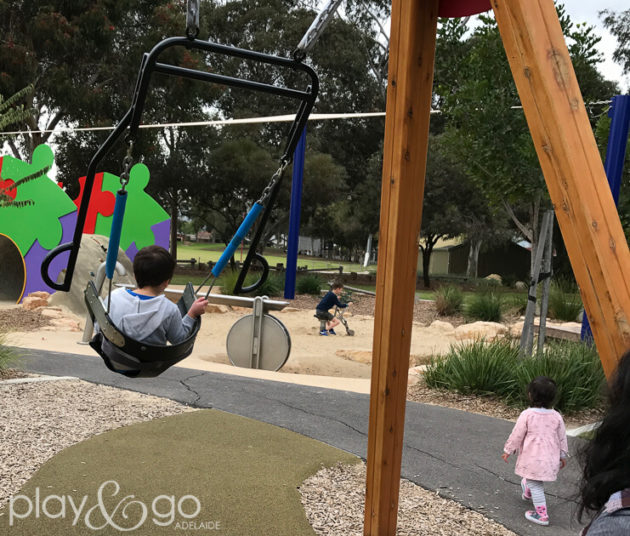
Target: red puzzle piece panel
101 202
5 186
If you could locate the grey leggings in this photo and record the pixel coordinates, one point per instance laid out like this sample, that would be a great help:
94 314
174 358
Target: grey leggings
537 487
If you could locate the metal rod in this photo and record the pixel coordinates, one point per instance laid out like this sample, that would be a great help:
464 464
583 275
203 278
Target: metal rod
182 72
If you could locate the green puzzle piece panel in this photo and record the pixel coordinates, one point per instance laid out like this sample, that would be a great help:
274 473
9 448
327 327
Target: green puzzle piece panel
40 220
141 211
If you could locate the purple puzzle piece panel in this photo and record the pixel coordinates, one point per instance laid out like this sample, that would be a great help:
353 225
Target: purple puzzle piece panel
35 256
161 232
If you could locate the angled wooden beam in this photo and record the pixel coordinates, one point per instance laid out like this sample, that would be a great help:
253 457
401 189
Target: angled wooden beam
411 60
572 167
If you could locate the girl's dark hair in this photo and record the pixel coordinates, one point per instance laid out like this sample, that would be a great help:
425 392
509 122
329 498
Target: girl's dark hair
152 266
542 392
606 458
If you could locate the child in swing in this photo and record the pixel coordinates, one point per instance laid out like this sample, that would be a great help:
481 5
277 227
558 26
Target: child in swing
145 313
539 438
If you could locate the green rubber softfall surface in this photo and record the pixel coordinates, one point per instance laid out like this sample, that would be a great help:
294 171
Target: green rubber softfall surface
205 472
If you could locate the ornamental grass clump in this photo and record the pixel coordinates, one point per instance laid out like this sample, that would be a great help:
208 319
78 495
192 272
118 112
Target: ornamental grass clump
576 369
448 300
564 300
309 284
498 368
486 306
273 285
8 356
478 368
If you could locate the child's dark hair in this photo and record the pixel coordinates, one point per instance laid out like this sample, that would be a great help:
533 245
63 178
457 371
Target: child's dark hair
606 458
336 284
542 392
152 266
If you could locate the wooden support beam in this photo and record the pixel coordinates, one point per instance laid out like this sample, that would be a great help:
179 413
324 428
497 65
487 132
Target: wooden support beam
411 60
572 167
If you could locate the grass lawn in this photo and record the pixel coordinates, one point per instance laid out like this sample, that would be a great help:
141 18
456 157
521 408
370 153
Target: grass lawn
204 252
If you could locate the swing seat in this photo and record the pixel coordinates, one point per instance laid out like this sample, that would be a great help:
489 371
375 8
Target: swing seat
129 357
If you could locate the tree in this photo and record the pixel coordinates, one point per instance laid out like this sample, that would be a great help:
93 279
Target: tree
450 200
486 128
11 111
619 25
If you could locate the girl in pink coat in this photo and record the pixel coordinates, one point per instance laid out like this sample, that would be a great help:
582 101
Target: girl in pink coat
541 442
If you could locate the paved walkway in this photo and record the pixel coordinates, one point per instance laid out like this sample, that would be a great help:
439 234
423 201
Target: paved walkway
452 452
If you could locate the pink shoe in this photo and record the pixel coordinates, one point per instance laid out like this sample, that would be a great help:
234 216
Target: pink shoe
527 494
539 517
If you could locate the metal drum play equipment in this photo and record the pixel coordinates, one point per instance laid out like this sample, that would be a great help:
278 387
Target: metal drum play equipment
259 340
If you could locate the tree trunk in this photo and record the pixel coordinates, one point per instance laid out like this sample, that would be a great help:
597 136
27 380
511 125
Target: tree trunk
473 258
426 261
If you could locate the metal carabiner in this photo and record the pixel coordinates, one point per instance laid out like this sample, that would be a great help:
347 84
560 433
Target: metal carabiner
192 19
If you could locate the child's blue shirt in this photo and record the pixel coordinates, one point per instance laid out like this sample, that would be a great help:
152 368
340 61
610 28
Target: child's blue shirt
329 301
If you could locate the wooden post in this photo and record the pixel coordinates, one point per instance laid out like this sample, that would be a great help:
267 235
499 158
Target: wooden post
411 60
572 166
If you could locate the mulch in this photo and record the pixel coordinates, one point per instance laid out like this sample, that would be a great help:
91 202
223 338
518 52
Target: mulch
20 319
424 312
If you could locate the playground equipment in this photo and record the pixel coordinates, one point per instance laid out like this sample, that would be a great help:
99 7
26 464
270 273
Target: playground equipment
42 216
575 176
338 314
142 360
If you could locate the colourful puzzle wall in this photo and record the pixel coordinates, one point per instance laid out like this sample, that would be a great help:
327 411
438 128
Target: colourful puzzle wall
50 218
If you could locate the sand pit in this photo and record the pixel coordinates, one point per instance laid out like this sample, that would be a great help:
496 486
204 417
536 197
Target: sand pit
338 356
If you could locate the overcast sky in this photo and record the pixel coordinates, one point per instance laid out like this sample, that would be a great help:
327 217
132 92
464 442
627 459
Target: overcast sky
587 11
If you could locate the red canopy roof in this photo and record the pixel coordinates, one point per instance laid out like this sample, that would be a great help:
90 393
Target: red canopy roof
462 8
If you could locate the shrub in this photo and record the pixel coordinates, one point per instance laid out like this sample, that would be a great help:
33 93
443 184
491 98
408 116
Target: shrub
564 300
448 300
576 369
480 368
273 286
309 284
228 280
485 306
7 355
515 304
497 368
509 280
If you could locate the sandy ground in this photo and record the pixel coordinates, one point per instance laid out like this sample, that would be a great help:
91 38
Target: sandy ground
341 361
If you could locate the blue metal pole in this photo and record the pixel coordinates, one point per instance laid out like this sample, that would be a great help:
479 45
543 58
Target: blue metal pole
615 156
294 217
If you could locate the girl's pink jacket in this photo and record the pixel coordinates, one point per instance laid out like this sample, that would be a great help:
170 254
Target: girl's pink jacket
540 439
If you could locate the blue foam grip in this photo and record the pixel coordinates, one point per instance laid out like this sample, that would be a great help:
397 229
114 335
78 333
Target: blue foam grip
114 235
241 233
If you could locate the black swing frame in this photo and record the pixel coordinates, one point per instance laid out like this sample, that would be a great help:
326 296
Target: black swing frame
131 119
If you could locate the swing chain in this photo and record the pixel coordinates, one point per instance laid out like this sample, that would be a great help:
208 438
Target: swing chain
284 163
127 164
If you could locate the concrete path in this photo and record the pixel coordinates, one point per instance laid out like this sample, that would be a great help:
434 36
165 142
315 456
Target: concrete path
455 453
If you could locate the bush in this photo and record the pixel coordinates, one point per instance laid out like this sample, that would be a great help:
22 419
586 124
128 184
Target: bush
7 355
515 304
309 284
564 300
485 306
497 368
576 369
273 286
448 300
478 368
228 280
